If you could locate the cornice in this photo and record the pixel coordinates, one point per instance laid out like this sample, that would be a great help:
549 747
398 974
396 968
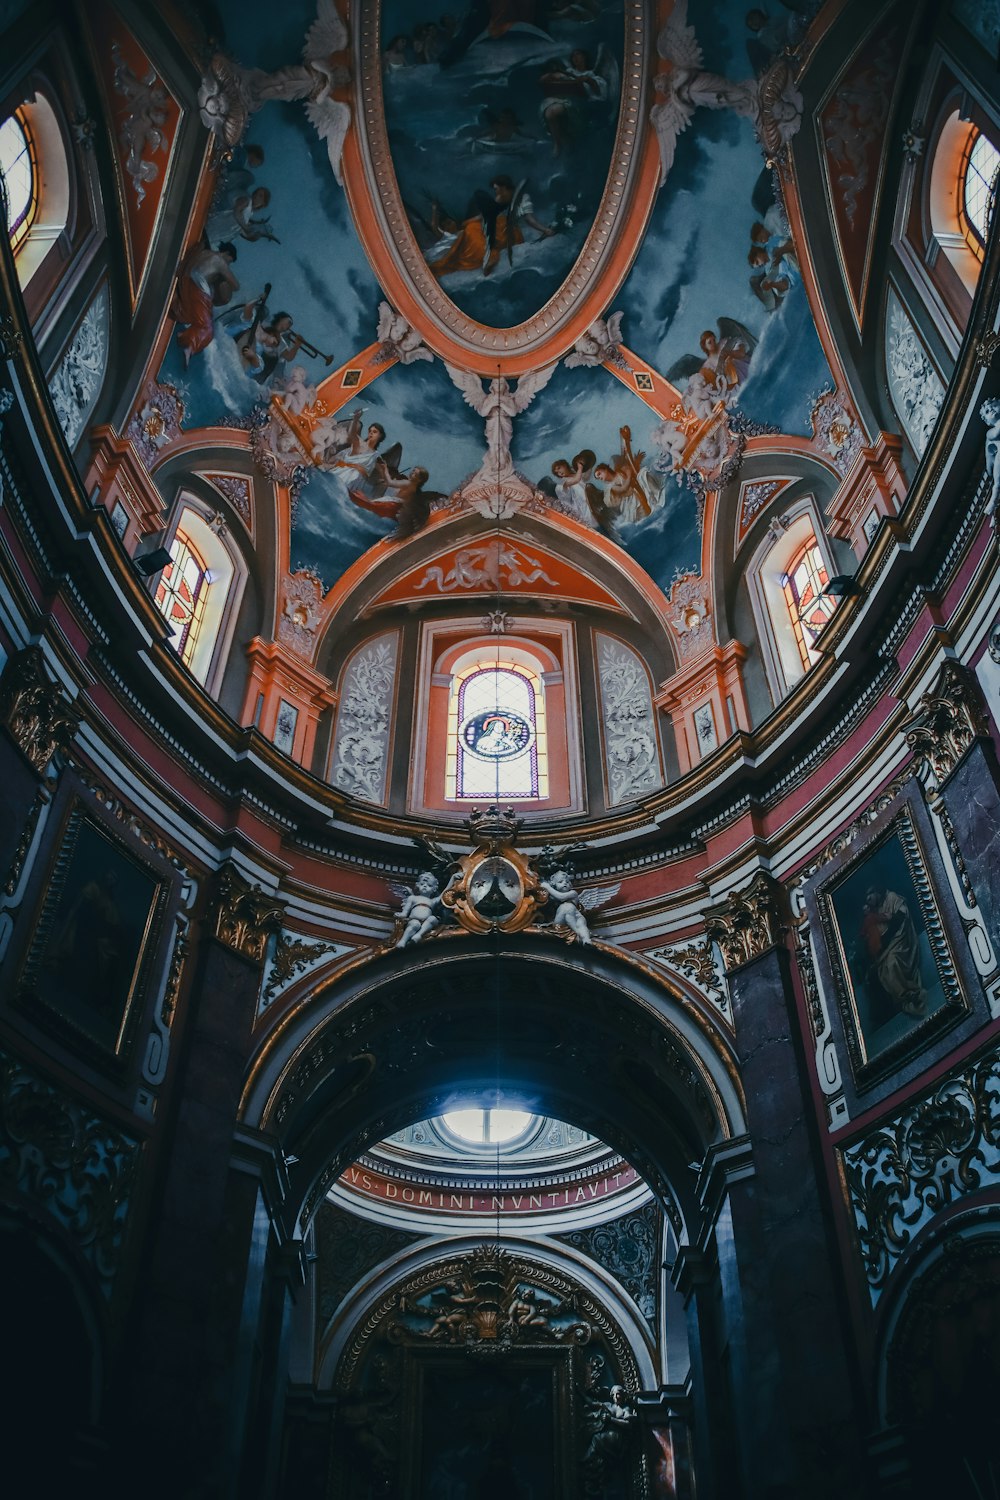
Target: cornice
750 772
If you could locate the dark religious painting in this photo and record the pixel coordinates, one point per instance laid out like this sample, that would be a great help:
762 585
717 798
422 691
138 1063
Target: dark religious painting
501 122
489 1433
892 964
88 962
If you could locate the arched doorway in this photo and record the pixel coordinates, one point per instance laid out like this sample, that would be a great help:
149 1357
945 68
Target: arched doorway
403 1038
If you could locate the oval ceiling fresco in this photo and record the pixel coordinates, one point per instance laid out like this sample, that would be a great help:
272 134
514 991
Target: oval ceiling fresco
499 152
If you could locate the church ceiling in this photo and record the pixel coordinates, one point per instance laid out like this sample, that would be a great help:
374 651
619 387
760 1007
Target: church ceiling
528 257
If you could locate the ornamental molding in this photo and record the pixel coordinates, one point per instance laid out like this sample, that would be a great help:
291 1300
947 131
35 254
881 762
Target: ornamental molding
364 721
696 962
947 722
77 380
79 1167
294 955
38 717
631 752
396 256
935 1152
244 915
748 924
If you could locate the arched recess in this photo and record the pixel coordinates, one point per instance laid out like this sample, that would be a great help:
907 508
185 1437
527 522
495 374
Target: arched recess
396 1038
417 1339
938 1358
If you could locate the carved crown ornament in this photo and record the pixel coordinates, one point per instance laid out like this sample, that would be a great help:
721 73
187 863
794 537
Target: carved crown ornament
38 717
948 720
496 888
244 916
748 923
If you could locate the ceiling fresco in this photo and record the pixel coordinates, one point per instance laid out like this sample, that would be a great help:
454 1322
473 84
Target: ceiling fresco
505 123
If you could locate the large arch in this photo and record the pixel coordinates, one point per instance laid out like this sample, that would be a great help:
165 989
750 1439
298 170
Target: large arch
394 1039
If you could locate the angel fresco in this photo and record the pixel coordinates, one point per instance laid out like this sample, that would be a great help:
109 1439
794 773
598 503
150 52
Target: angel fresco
575 91
719 371
491 226
772 102
631 489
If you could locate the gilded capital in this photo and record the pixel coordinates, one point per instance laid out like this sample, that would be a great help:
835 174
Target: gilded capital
38 717
748 923
244 915
947 721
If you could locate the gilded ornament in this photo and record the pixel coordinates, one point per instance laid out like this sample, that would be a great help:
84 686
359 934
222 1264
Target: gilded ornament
948 720
748 924
245 915
37 716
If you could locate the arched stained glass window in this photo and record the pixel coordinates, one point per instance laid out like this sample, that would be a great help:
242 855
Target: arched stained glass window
808 607
19 167
182 595
497 745
978 185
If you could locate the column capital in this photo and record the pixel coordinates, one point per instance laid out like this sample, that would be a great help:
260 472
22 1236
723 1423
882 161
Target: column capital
947 721
748 923
244 915
36 713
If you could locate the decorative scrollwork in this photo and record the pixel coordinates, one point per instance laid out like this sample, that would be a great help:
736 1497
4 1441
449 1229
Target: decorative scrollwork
937 1150
16 866
748 923
948 720
37 716
59 1153
245 916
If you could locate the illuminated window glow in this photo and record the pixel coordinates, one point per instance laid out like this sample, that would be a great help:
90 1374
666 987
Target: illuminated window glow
808 607
977 185
19 167
497 744
182 594
488 1127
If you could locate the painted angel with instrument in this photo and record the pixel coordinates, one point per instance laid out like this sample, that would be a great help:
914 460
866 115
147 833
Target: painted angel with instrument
631 490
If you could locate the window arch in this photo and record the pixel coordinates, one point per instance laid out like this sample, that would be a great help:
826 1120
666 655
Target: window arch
962 188
497 740
35 163
786 577
19 168
496 718
199 590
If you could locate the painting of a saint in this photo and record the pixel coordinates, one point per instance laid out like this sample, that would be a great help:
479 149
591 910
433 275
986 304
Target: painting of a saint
101 910
881 923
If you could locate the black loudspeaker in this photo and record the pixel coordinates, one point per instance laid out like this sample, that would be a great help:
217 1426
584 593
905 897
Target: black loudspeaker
152 562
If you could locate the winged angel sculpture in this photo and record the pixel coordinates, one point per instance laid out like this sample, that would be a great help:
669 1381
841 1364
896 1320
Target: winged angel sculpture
771 102
499 405
230 94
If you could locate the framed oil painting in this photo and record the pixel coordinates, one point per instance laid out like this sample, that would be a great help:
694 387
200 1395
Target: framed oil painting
87 968
891 961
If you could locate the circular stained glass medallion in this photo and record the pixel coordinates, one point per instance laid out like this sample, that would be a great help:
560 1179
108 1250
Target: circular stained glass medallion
496 734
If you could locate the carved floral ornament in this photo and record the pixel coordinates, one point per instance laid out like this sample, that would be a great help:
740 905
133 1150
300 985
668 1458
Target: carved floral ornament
245 916
748 923
34 710
948 720
935 1152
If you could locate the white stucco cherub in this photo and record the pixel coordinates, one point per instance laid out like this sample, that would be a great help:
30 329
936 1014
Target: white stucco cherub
990 413
420 908
570 904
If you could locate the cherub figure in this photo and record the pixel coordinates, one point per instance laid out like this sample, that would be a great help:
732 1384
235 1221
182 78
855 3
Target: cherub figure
420 908
571 904
990 413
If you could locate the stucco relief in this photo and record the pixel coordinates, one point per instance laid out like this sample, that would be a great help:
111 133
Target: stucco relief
631 758
361 748
78 378
915 387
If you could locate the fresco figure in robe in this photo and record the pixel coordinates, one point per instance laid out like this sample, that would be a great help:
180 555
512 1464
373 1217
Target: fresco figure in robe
491 227
890 945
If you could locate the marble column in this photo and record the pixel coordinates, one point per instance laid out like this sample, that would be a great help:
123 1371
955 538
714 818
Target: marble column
205 1223
792 1308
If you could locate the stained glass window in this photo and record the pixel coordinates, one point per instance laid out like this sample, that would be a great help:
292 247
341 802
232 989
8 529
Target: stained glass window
978 184
182 594
19 167
808 607
497 746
